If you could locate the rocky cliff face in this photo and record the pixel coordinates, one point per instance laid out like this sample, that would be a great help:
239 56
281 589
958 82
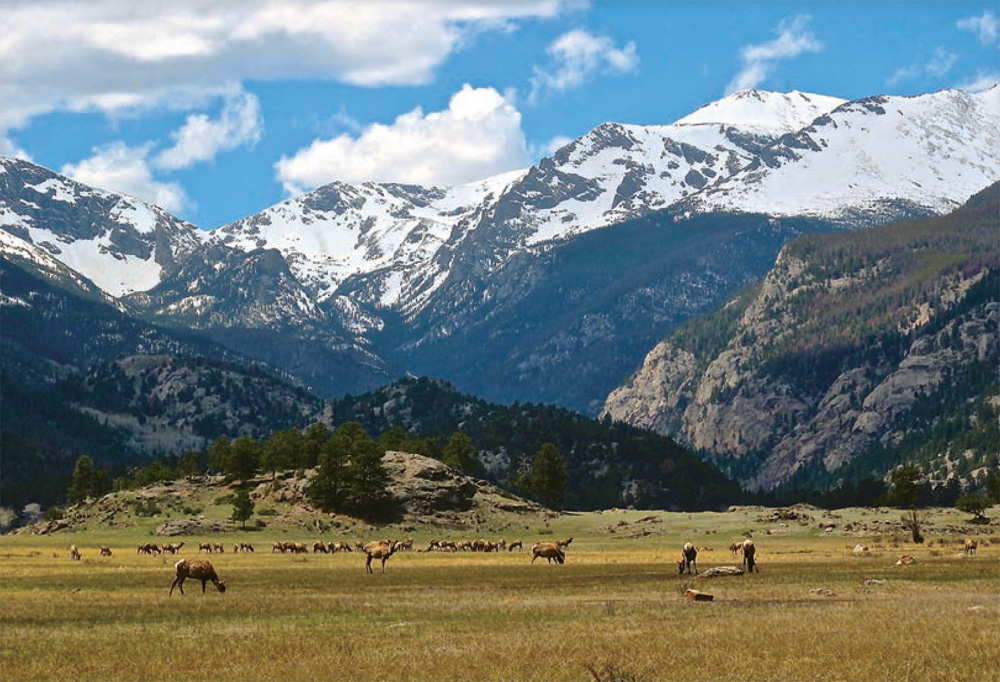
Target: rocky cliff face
846 337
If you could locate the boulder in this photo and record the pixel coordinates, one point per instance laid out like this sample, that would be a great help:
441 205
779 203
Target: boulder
721 571
425 486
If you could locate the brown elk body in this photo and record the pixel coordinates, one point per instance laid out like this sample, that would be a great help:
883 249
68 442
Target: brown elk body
689 556
377 550
749 556
550 551
971 546
74 552
199 570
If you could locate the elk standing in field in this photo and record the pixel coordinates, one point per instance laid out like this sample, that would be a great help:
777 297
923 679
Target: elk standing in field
74 552
749 554
689 554
105 551
970 547
549 551
199 570
382 549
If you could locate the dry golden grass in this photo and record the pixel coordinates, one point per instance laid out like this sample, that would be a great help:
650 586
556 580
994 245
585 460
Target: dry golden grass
612 612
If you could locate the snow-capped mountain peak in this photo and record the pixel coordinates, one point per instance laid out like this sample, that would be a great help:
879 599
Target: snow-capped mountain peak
873 160
120 243
770 113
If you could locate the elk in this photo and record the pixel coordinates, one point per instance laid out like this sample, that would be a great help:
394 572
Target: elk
381 549
749 552
548 551
970 547
205 547
689 554
562 544
74 552
199 570
320 546
105 551
515 543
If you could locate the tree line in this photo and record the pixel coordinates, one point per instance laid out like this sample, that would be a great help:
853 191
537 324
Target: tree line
345 465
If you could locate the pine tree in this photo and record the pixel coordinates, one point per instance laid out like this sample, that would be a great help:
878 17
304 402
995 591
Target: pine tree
459 453
244 458
548 476
243 507
83 480
218 453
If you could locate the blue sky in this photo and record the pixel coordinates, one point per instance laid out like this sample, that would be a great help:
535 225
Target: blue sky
216 110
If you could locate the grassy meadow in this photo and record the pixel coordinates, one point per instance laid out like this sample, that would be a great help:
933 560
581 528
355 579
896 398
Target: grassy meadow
614 611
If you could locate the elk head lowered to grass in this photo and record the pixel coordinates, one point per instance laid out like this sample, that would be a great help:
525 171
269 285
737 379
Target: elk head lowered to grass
199 570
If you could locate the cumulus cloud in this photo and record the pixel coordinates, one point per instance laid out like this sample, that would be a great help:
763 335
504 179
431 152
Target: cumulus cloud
577 57
201 138
79 55
986 27
119 168
477 136
793 38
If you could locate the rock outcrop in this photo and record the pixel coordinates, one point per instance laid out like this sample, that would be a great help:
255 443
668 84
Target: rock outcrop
845 338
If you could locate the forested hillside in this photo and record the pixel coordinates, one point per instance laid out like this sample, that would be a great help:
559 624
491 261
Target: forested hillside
858 351
608 464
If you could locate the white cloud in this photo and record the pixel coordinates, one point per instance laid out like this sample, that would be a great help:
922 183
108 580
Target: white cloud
986 27
9 148
556 143
81 55
793 38
577 57
119 168
937 66
201 138
477 136
983 80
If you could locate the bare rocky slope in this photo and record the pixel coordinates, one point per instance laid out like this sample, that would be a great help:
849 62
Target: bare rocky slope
854 345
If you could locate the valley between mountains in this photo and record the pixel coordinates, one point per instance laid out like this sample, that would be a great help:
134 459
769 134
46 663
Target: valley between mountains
798 289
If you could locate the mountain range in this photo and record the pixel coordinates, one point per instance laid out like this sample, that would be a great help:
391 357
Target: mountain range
548 285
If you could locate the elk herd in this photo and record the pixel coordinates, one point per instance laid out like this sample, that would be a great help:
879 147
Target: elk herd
382 550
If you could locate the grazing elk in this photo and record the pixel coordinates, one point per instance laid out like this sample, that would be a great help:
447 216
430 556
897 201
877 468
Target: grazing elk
199 570
549 551
689 555
382 549
515 543
749 556
74 552
105 551
219 547
320 546
205 547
